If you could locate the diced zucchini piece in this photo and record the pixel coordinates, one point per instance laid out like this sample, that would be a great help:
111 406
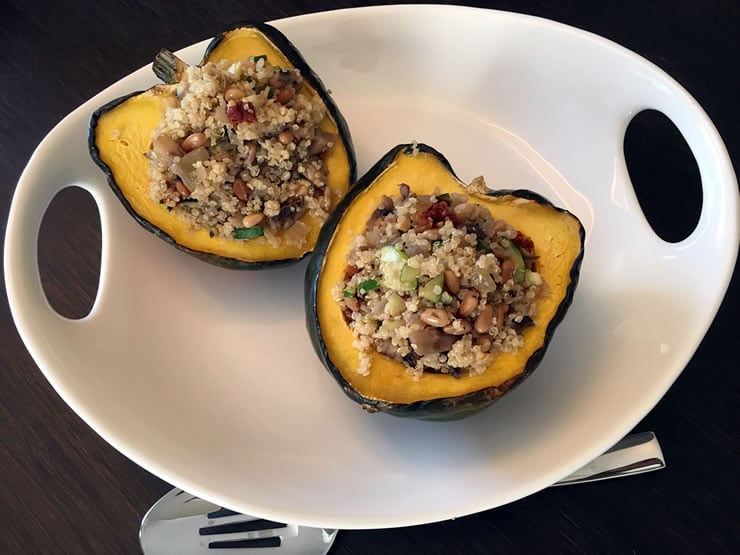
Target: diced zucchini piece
392 261
390 253
395 305
409 278
432 289
390 326
520 270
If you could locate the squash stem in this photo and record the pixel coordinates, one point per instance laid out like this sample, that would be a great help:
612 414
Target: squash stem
168 67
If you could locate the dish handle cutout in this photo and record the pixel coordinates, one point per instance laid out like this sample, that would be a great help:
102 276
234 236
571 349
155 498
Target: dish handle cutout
51 330
698 226
69 248
664 175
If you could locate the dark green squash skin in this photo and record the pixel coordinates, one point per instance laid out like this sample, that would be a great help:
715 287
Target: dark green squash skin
449 408
299 62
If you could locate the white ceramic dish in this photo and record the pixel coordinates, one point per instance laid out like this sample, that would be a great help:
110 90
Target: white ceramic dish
248 418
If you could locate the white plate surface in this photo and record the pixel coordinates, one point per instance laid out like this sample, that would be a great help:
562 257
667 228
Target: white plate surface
207 378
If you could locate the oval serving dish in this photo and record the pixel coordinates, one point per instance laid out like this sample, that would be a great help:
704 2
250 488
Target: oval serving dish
262 428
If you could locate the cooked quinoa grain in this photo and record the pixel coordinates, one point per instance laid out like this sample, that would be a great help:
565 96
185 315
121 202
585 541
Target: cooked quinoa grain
437 283
240 152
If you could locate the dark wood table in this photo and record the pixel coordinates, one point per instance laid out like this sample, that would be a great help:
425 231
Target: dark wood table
64 490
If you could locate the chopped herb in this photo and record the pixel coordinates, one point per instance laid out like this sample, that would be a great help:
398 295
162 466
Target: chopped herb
436 244
444 196
260 57
483 247
248 232
368 285
270 92
349 292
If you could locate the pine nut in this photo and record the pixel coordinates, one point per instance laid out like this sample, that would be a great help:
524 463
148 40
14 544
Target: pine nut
240 189
507 270
251 152
182 189
484 319
452 282
251 220
468 304
286 137
234 93
435 317
193 141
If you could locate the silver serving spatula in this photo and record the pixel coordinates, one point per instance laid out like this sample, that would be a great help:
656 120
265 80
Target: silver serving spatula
182 524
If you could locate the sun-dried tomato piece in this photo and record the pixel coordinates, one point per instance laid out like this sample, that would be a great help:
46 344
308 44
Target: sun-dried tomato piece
239 112
523 242
437 213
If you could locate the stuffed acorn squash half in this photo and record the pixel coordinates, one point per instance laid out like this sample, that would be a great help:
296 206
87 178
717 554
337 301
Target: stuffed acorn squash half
238 160
429 298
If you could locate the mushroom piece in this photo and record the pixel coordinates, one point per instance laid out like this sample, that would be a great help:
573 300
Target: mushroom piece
321 141
428 341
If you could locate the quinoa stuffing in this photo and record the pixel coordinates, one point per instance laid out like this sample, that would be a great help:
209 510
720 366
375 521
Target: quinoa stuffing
439 284
239 153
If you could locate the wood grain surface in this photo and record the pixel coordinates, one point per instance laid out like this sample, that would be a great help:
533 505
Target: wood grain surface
64 490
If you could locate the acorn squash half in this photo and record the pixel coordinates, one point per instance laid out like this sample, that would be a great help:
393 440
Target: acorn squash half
559 239
120 133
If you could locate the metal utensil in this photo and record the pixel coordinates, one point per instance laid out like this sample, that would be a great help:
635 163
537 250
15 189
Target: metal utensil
181 524
635 454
